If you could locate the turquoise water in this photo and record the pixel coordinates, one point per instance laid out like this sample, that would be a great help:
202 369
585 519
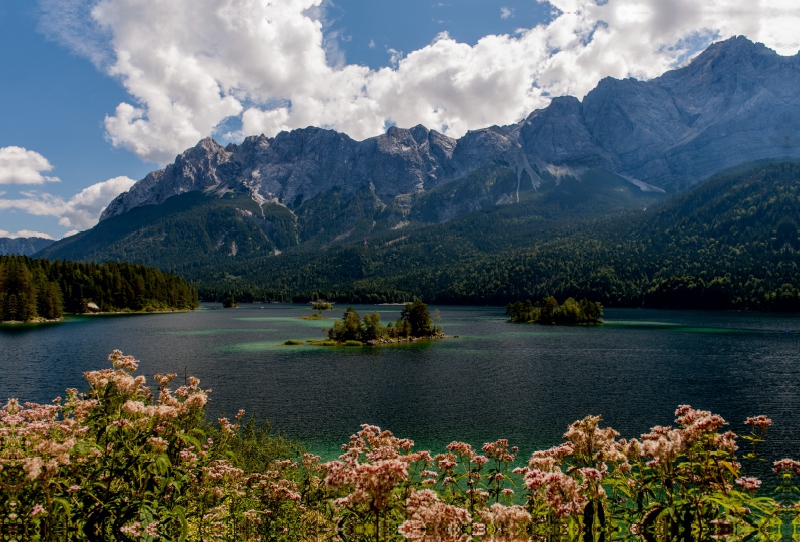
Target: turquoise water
524 383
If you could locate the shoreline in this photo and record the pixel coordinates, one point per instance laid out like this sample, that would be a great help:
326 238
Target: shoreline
371 343
64 319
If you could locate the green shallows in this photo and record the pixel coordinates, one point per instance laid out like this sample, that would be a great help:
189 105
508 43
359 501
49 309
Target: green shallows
249 347
216 331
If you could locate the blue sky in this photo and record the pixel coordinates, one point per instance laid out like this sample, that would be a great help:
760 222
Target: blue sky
54 101
452 65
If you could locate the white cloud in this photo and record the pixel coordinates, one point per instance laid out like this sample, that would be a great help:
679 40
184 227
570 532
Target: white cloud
190 64
24 233
21 166
506 13
81 211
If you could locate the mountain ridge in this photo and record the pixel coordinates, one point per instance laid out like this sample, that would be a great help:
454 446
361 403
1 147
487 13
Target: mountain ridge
735 102
24 246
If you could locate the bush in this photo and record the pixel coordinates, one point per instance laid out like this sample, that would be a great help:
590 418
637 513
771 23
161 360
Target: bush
353 343
293 342
120 463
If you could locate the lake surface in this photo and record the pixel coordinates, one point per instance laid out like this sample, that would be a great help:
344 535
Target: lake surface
522 382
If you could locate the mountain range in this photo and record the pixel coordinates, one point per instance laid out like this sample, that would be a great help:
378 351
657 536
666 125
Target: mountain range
24 246
268 206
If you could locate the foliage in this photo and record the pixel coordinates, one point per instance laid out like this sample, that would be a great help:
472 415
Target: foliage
414 323
717 246
548 311
32 288
320 306
229 302
118 462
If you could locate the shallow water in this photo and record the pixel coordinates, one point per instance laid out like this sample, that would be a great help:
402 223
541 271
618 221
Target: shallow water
521 382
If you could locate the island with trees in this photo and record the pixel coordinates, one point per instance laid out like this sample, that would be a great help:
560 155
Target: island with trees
415 323
319 306
549 312
34 290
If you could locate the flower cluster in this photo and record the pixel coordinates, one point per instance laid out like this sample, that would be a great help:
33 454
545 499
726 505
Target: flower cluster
120 462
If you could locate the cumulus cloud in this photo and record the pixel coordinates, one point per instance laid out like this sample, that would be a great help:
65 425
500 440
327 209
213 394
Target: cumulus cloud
191 64
24 233
506 13
81 211
21 166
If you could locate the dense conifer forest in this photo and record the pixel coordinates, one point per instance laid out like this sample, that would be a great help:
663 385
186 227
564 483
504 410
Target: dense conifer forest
35 289
730 243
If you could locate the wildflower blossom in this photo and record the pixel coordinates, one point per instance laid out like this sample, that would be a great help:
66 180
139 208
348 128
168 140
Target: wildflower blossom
749 483
152 529
761 422
433 520
786 466
38 510
134 529
509 522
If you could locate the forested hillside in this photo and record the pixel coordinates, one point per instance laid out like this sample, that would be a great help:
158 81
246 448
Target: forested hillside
32 289
197 235
730 243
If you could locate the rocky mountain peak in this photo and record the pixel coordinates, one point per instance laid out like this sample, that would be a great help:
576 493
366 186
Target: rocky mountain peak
737 101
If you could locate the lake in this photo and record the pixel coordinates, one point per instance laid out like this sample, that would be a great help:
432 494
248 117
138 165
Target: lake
521 382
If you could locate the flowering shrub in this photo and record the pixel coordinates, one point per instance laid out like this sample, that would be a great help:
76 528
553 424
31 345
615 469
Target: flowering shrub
119 462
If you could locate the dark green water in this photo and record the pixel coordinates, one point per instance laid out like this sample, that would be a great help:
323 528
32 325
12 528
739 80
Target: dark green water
524 383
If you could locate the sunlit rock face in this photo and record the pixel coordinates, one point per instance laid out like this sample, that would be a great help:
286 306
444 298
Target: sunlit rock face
736 102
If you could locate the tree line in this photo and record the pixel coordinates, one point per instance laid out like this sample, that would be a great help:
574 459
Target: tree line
730 243
32 289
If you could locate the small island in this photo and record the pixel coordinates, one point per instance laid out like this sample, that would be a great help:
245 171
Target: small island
38 291
549 312
320 306
415 323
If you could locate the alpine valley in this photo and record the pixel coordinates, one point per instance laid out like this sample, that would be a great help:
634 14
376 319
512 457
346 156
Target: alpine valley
681 191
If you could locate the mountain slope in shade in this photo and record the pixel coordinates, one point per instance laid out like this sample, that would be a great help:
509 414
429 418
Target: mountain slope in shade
195 232
736 102
24 246
733 242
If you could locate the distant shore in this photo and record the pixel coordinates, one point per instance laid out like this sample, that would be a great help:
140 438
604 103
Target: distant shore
110 313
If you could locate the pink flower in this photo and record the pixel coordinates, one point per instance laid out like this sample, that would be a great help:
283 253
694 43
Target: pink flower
786 466
433 520
38 510
413 529
749 483
762 422
134 529
499 451
152 529
462 449
120 361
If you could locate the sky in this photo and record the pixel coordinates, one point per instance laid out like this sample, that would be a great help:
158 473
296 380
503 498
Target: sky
94 94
